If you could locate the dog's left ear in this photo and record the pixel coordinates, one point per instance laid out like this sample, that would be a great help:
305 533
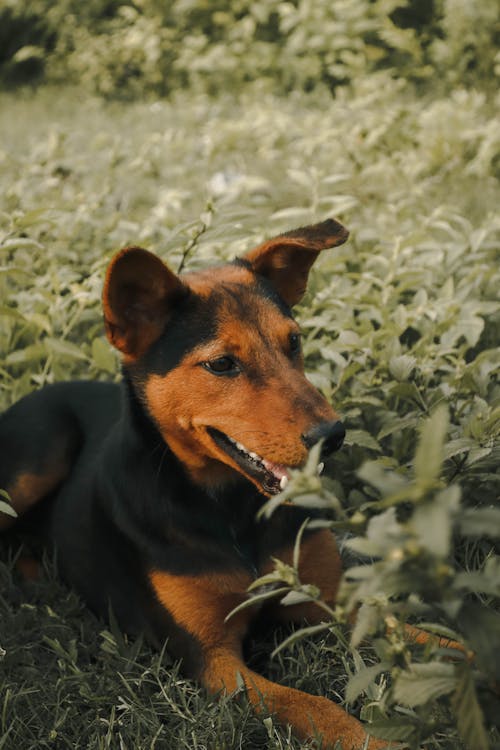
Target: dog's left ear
286 260
139 294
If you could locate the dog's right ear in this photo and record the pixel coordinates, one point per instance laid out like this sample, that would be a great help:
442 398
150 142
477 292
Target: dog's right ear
286 260
139 293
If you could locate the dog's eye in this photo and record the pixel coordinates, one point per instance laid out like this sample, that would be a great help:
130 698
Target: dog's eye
222 366
294 342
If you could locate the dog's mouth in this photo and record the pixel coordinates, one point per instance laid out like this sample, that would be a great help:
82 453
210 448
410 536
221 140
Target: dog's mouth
272 477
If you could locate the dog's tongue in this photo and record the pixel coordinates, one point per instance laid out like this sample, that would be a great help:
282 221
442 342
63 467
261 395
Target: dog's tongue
279 471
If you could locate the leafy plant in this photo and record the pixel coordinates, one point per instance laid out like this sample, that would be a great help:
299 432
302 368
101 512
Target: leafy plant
401 328
411 572
126 49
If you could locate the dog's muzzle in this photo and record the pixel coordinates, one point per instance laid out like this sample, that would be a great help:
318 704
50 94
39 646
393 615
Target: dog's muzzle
332 434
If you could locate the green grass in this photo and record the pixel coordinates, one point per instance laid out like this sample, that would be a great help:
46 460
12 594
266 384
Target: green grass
402 318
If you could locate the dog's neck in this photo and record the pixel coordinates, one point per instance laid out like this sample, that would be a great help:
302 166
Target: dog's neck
138 422
155 475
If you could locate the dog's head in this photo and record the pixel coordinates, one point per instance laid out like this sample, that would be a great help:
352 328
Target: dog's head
215 357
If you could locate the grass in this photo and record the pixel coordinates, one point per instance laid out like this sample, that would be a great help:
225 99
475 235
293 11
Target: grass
69 681
402 317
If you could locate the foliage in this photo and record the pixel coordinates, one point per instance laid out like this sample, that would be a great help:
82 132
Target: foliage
125 49
401 331
412 567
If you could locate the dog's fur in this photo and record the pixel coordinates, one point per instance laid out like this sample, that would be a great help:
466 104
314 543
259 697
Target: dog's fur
150 489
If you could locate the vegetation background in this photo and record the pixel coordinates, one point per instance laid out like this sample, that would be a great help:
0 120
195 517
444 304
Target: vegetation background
198 128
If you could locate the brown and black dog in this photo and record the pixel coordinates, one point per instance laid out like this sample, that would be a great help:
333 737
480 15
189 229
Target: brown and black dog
151 489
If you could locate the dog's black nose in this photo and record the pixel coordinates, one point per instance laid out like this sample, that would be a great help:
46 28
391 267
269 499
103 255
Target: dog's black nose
332 433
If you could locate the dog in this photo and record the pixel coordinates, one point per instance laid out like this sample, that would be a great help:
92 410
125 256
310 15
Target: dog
149 490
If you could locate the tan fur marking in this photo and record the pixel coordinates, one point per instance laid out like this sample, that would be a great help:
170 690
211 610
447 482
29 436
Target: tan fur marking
320 565
29 568
200 604
26 491
309 715
202 282
422 637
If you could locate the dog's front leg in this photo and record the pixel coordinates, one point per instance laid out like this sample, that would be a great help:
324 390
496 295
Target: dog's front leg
320 565
200 605
308 715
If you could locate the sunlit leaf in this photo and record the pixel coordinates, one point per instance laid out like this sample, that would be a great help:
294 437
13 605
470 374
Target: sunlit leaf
433 521
7 509
103 355
468 713
362 438
422 683
481 522
359 681
430 450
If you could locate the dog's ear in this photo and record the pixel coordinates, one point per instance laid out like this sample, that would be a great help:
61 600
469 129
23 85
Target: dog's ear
139 293
286 260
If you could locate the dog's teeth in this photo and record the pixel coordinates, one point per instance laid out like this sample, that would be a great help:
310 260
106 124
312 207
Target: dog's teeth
320 468
283 482
242 449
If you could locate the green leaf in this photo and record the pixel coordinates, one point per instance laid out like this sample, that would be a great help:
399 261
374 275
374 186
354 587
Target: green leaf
480 522
395 425
393 729
293 214
299 635
10 312
363 439
481 627
469 327
28 52
298 542
26 243
40 321
470 720
402 366
433 521
257 598
408 392
64 348
460 445
385 481
360 681
478 582
430 450
299 597
384 528
30 353
422 683
7 509
103 355
367 619
477 454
